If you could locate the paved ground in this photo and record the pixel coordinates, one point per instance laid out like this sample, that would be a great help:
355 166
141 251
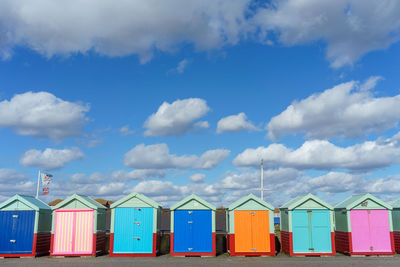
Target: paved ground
222 260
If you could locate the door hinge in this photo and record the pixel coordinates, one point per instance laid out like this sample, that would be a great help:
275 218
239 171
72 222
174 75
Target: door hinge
190 212
138 223
15 216
309 211
190 249
139 209
12 241
254 249
252 212
138 238
190 221
311 249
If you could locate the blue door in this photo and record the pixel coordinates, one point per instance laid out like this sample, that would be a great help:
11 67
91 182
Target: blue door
311 231
133 230
192 231
17 229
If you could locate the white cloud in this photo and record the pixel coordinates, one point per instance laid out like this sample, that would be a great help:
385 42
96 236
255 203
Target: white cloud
197 177
157 156
349 28
122 175
182 66
176 118
50 159
42 115
235 123
347 110
129 27
124 131
10 176
323 155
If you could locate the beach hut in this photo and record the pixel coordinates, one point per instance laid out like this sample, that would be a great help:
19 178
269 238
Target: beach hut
251 227
307 227
78 227
364 226
135 223
396 225
25 224
193 228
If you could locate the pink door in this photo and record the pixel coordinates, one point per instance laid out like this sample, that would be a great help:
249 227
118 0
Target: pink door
370 231
73 232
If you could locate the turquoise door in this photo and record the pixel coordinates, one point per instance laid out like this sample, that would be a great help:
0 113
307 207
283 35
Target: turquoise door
133 230
311 231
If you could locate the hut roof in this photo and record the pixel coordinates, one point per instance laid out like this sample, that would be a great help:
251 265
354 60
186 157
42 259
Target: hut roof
84 199
239 202
139 196
192 197
356 199
297 201
30 201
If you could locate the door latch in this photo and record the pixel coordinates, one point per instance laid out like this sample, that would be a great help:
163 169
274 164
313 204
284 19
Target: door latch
312 249
12 240
190 212
252 212
371 248
190 221
138 223
190 249
15 216
138 238
139 209
254 249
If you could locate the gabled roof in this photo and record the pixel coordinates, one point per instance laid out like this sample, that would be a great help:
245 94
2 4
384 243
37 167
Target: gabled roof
297 201
32 202
192 197
139 196
84 199
239 202
356 199
396 204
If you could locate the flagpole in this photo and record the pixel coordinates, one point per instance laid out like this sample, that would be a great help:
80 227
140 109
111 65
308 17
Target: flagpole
37 189
262 180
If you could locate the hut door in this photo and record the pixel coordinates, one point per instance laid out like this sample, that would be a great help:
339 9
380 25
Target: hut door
311 231
192 231
143 230
252 231
17 229
370 231
73 232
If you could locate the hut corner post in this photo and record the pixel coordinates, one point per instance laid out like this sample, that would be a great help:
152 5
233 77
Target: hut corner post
37 188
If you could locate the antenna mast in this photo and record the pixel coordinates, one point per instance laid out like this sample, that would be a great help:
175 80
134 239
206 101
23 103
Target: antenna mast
262 180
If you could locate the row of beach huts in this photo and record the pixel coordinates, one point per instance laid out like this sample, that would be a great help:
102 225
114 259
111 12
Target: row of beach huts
360 225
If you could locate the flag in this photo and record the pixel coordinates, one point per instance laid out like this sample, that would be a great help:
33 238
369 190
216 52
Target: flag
45 191
46 178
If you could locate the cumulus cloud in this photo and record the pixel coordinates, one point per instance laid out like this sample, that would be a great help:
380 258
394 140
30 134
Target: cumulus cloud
129 27
124 131
349 28
197 177
347 110
157 156
323 155
235 123
182 66
176 118
139 174
11 176
50 159
42 115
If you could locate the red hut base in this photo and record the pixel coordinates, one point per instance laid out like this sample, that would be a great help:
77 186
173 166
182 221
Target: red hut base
232 252
344 244
172 253
40 247
396 238
99 246
287 245
156 242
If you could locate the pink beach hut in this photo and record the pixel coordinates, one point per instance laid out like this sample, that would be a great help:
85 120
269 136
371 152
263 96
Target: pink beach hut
364 226
78 228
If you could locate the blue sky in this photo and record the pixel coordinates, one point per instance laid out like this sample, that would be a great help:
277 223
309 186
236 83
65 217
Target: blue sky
169 101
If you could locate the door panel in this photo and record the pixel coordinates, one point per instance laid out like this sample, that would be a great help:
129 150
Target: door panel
260 231
63 234
83 238
183 230
360 234
243 237
321 231
202 232
124 230
380 231
17 229
143 230
301 237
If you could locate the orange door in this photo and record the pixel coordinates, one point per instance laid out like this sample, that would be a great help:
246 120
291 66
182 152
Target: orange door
252 231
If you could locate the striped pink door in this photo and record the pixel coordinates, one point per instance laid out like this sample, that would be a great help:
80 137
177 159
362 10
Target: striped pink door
370 231
73 232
